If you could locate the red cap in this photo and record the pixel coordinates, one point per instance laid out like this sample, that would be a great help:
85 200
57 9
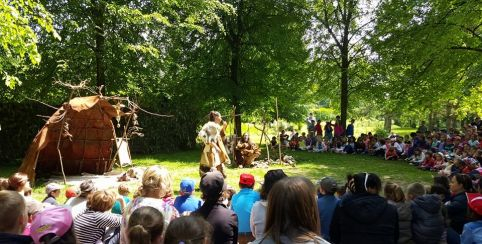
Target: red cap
70 192
246 179
475 202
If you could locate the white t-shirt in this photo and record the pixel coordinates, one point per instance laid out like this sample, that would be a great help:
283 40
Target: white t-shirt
77 205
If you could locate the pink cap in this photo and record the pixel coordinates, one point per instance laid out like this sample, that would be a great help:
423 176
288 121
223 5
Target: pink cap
56 220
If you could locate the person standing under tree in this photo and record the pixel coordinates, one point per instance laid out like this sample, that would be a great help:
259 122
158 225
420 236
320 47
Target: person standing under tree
350 129
214 154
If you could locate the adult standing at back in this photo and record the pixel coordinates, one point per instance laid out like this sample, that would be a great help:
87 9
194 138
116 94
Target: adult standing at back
223 220
363 216
350 129
242 203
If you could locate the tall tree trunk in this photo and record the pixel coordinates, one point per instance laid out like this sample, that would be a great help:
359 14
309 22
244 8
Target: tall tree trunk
98 10
387 125
431 120
235 43
448 115
344 92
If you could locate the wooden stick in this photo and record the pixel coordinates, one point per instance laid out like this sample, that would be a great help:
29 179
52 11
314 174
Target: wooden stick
277 128
60 137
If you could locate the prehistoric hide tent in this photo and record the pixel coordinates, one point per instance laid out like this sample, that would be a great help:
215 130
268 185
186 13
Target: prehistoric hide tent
78 137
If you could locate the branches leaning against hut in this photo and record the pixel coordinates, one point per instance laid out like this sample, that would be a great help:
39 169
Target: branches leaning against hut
73 88
134 129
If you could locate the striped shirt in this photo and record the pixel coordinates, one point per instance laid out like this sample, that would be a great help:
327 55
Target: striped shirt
90 226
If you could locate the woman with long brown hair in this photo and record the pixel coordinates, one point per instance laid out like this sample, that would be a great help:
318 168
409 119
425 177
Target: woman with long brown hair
292 215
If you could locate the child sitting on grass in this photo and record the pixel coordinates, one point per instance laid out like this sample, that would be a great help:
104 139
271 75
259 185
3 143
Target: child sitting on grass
123 191
417 157
53 192
186 202
428 162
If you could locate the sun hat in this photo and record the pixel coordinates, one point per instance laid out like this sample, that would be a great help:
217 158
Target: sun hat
246 179
187 185
52 187
55 220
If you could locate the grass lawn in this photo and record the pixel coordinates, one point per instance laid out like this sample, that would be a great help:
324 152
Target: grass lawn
311 165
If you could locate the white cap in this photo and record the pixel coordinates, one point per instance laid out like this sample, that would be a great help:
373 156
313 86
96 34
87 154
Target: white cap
52 187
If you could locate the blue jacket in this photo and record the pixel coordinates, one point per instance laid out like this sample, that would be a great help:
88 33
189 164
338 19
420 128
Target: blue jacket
242 204
187 203
326 207
472 233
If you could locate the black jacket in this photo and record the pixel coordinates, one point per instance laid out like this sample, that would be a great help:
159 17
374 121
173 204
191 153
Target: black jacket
364 218
15 239
427 219
457 209
223 220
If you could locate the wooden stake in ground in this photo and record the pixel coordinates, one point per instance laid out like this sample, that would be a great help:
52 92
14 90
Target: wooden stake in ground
277 128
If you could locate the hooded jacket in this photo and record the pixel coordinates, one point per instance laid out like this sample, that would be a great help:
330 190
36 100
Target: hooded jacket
404 221
364 218
427 220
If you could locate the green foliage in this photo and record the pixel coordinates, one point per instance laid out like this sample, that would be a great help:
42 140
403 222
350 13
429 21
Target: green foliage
429 52
18 40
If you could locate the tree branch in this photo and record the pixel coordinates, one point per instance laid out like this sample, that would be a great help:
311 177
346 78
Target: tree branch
466 48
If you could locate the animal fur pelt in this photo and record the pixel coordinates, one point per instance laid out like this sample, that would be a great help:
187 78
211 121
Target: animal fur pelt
210 132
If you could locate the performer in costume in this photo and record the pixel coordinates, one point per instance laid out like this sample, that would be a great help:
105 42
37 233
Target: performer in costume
246 151
214 155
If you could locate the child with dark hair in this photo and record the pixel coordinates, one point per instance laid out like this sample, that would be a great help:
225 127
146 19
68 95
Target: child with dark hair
364 216
189 229
53 226
395 196
145 226
457 206
391 154
258 212
428 162
417 157
327 203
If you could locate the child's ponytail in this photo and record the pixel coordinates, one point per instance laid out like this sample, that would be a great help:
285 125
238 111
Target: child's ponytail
139 235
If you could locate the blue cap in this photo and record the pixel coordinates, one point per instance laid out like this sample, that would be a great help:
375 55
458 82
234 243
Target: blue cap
187 185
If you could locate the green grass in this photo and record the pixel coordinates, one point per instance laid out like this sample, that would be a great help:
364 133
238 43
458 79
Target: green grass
311 165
